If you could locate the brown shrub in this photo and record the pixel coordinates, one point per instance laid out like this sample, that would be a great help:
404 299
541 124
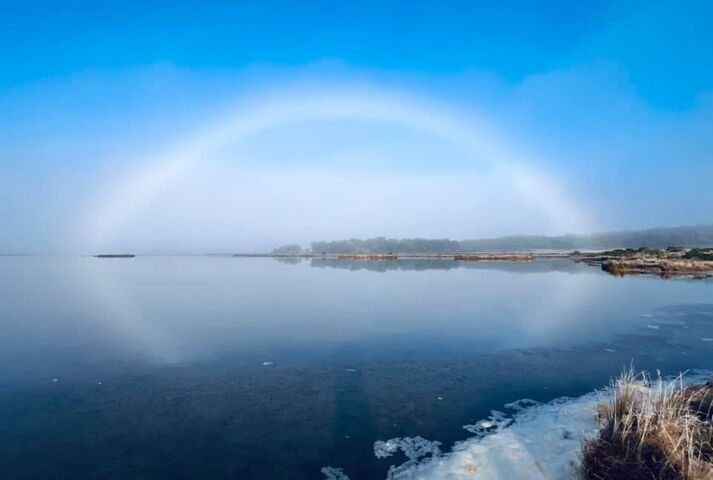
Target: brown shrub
652 429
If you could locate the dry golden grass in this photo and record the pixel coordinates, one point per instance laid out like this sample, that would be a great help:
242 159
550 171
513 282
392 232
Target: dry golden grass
652 429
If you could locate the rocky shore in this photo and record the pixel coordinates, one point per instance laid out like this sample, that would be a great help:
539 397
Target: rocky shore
669 263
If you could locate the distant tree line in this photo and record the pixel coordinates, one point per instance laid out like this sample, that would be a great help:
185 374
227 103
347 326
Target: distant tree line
292 249
385 245
691 236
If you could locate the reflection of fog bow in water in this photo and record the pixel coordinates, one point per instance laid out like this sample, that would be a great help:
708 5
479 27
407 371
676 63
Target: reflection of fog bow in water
112 214
123 314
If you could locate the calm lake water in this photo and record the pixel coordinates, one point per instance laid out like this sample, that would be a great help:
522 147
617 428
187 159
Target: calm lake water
251 368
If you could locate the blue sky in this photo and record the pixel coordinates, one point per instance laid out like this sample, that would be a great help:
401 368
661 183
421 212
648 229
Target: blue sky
612 101
520 37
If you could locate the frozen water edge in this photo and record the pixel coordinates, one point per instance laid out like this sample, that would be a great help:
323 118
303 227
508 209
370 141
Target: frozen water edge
540 441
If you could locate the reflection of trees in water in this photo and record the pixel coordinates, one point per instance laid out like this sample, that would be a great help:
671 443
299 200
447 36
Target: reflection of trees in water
289 260
386 265
415 264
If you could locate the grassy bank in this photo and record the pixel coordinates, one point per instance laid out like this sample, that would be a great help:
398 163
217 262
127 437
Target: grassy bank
652 429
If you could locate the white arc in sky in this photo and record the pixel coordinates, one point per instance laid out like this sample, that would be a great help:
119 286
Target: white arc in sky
111 214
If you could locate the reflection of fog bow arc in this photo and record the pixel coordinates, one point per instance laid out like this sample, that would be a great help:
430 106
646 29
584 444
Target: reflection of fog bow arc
113 212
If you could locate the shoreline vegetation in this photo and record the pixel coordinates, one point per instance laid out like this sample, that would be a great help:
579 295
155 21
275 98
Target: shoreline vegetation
666 252
652 429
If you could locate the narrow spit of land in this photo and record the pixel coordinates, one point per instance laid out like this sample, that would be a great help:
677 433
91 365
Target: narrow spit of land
472 257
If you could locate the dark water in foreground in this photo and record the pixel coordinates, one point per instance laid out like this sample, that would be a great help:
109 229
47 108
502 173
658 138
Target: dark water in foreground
153 367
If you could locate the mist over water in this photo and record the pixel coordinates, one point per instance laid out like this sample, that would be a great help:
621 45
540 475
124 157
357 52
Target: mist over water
140 310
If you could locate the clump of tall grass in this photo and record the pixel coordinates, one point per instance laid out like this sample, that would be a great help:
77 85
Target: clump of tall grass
652 429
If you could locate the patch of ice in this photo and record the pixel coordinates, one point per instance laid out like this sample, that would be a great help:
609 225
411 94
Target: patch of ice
495 422
331 473
55 380
610 350
413 447
652 326
698 375
521 404
351 370
267 364
418 450
540 441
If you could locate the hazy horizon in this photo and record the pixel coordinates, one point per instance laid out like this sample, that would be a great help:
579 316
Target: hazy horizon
656 231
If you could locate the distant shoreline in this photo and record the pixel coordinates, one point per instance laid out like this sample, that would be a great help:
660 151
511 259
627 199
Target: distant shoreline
673 262
462 256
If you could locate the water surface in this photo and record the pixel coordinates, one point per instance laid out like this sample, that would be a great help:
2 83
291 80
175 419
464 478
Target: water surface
221 367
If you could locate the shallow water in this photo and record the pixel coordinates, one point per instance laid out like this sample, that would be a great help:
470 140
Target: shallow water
221 367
